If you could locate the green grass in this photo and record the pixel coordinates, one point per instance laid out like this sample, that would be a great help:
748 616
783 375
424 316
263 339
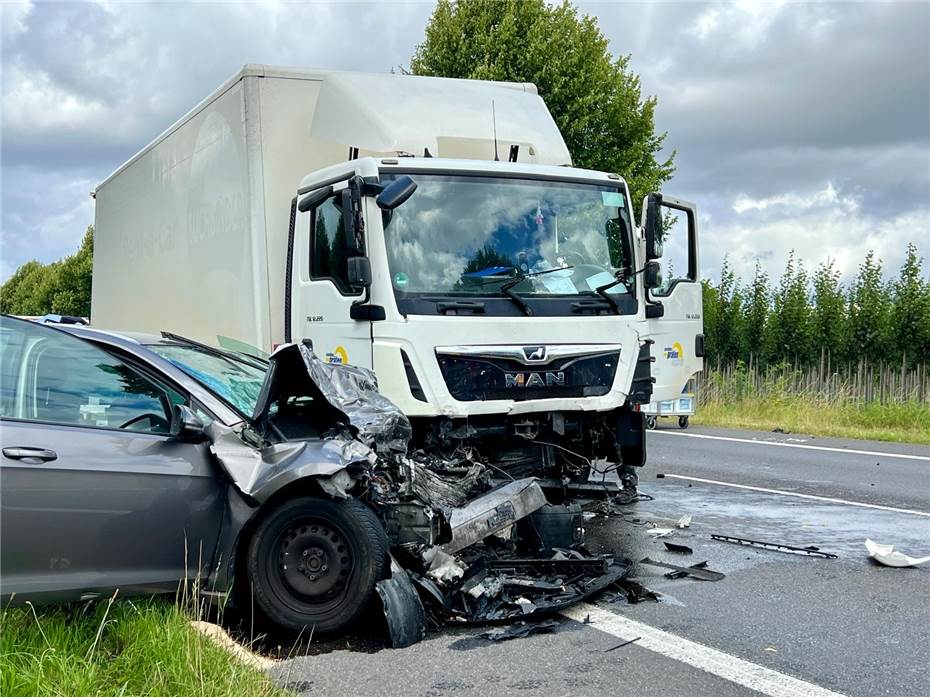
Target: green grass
129 648
904 422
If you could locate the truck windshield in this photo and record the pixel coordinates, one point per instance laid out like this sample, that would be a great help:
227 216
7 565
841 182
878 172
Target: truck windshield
474 235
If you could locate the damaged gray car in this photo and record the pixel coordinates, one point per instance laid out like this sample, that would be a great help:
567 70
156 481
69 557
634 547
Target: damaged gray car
135 462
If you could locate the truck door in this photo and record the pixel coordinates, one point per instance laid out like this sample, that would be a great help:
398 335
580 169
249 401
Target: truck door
674 309
321 296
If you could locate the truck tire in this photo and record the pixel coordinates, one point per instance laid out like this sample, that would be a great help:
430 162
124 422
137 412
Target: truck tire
314 562
650 422
682 422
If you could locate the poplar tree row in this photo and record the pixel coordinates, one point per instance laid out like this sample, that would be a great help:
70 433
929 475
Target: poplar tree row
809 316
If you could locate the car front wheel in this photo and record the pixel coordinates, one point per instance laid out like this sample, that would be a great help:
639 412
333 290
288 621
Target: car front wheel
314 562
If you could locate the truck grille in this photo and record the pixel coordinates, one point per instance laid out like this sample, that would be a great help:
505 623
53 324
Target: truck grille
471 378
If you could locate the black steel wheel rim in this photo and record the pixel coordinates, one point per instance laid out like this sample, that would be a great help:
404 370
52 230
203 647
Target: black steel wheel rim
312 565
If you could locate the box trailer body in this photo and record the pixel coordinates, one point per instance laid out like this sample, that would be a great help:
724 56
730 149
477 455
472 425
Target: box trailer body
203 233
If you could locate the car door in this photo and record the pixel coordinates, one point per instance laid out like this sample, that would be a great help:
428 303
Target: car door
94 493
676 324
321 296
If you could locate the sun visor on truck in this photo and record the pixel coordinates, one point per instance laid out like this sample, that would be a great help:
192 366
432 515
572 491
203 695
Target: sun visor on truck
392 114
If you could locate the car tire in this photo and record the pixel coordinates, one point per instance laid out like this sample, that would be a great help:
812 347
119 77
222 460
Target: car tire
313 563
682 422
650 422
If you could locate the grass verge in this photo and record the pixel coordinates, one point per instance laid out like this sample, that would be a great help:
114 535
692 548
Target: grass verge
137 648
903 422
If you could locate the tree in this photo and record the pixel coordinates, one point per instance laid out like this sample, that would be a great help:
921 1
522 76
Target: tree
869 313
910 311
595 99
758 302
62 287
729 313
790 329
830 318
711 303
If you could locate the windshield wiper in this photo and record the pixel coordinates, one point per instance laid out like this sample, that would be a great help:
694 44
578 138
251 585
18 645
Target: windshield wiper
507 288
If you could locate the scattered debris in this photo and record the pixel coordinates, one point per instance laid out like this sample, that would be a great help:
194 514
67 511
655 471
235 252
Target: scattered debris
660 532
679 549
682 574
887 556
770 649
810 551
660 475
780 430
695 571
622 644
635 592
684 521
521 629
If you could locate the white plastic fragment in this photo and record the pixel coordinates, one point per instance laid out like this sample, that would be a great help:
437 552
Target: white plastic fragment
684 521
659 532
886 554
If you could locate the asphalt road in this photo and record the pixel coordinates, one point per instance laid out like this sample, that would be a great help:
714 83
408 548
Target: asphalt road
778 624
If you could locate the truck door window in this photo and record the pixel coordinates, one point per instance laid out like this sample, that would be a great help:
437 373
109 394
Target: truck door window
677 256
328 246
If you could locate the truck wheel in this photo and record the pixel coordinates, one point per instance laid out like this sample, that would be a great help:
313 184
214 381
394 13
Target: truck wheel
682 422
314 562
650 422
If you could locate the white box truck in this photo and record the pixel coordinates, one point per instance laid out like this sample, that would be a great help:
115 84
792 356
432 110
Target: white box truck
431 229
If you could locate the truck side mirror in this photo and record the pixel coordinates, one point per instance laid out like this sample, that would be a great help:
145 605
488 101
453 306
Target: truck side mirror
653 226
395 193
652 274
358 272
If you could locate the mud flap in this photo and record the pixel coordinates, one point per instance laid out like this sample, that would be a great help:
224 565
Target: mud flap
631 437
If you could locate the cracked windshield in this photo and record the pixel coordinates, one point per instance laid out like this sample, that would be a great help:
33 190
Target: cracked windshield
237 381
464 235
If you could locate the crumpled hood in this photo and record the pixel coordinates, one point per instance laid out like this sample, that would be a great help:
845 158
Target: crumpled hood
350 390
377 425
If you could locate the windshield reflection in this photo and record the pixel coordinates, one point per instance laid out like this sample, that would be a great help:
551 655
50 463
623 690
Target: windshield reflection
471 236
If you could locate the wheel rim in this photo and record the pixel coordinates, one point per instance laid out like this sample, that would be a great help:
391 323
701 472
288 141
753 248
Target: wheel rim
313 565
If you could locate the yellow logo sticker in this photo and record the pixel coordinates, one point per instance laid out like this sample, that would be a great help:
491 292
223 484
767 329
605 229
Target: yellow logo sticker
337 355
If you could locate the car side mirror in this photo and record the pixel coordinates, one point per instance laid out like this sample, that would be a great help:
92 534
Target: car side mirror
186 426
358 272
395 193
652 274
653 226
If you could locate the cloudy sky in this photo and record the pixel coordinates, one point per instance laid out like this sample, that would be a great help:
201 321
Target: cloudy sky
799 126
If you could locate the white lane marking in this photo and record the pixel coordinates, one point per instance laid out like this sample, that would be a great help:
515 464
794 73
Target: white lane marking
812 497
723 665
794 445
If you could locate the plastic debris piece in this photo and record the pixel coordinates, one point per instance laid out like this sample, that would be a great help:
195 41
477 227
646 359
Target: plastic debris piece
521 629
680 549
442 566
636 592
887 556
684 521
693 571
682 574
810 550
659 532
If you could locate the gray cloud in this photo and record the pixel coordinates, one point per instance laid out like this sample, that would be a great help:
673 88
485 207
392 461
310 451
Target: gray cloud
797 125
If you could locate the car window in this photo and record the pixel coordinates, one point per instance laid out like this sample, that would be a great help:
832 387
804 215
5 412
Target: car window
57 378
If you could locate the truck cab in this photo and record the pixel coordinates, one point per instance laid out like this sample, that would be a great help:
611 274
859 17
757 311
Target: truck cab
510 307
